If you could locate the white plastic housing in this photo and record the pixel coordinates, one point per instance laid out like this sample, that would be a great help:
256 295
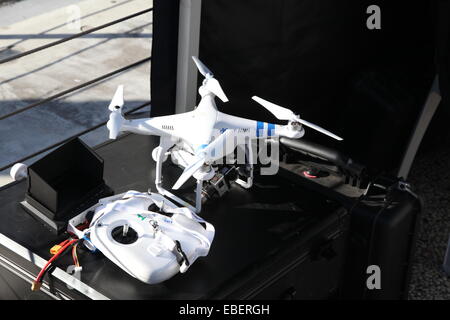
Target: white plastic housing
18 171
150 258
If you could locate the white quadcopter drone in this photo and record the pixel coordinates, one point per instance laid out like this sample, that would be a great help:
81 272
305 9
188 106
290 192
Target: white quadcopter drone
197 139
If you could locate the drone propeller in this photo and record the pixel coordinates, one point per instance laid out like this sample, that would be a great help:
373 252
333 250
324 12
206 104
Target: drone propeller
217 149
117 101
282 113
202 68
210 84
115 118
189 172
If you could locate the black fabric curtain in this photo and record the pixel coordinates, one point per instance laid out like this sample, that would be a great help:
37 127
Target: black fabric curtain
164 56
443 48
318 58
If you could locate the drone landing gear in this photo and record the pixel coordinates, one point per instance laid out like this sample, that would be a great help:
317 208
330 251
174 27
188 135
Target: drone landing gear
246 171
160 155
198 196
209 180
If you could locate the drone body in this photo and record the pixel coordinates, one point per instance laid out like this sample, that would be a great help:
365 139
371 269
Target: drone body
200 137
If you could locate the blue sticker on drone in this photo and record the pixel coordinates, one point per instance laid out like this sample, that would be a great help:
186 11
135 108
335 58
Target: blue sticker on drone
270 129
259 128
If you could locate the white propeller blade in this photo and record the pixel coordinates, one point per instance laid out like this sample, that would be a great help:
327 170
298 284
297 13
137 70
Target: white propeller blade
201 67
214 86
188 172
114 124
117 101
115 118
317 128
211 84
280 113
220 148
286 114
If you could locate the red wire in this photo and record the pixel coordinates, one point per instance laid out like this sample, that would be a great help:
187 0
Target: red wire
38 278
74 255
306 174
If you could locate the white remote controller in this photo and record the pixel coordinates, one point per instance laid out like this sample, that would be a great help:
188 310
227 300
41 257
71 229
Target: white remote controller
148 245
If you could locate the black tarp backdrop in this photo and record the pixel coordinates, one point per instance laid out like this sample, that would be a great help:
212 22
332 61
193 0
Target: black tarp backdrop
318 58
439 126
442 28
164 56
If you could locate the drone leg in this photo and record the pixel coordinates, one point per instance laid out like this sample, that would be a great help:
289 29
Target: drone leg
158 180
158 173
249 152
164 145
248 155
198 196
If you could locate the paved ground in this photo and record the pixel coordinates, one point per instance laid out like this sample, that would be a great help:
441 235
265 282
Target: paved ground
23 9
430 177
40 75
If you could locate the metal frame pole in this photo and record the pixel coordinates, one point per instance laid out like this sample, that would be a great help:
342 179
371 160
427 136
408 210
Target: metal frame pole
188 46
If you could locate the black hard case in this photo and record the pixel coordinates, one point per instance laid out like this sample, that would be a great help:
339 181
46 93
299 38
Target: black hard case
382 233
383 224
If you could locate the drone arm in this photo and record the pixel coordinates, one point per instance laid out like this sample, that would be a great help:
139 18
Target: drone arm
117 123
142 126
165 144
289 132
255 129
